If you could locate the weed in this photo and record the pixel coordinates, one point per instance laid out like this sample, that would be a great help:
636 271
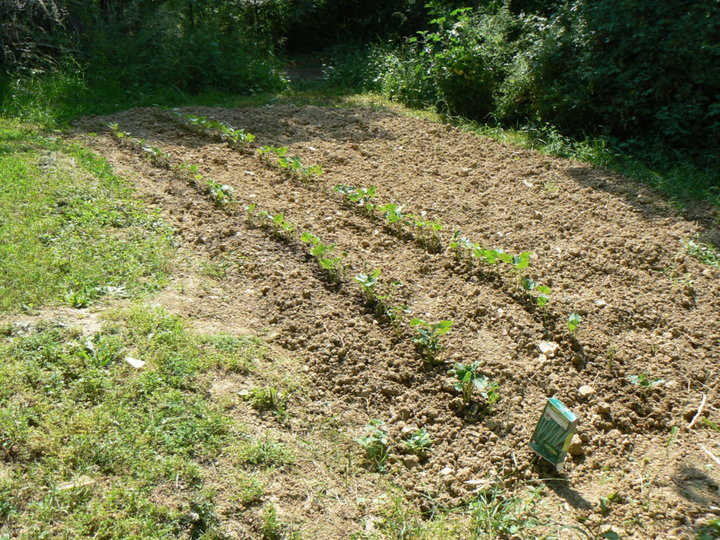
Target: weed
268 397
375 443
710 530
50 217
418 443
266 452
496 515
470 379
428 335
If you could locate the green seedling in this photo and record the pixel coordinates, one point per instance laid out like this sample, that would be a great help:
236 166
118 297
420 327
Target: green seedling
470 379
573 322
368 284
393 214
645 381
522 261
221 194
375 443
279 227
460 245
428 233
156 156
543 291
321 252
492 256
704 253
418 443
392 312
359 196
221 130
428 337
292 164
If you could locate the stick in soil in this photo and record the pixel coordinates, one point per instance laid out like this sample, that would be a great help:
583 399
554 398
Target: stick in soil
698 413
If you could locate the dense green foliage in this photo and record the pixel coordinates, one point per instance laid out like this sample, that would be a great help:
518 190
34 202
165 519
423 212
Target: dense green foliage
618 67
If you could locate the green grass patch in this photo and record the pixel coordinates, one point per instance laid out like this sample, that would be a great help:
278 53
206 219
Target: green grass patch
70 229
88 442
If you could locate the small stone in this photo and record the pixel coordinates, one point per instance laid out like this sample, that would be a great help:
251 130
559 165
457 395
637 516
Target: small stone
411 461
576 448
603 407
586 391
548 348
446 471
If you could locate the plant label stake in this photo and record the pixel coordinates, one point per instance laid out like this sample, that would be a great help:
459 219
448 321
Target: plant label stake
553 432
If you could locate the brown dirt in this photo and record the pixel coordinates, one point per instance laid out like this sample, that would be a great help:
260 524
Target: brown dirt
611 251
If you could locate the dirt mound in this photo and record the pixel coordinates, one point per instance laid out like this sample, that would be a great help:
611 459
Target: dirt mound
644 353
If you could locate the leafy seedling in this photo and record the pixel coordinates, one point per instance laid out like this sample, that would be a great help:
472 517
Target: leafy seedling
460 245
428 233
428 335
418 443
360 197
469 379
573 322
645 381
368 283
332 266
375 443
221 194
543 297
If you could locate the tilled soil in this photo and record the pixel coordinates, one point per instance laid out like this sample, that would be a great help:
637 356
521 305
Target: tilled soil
611 251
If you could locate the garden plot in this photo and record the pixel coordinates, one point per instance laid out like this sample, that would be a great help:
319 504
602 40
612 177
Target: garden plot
401 259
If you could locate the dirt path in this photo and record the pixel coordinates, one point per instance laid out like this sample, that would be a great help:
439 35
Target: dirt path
610 253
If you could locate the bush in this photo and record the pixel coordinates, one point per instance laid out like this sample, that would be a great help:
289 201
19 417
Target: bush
616 67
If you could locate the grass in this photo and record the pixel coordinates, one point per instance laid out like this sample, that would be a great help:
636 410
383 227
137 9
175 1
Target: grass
87 441
70 230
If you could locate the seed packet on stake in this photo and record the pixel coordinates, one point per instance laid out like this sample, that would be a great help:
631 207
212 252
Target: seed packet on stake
553 432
